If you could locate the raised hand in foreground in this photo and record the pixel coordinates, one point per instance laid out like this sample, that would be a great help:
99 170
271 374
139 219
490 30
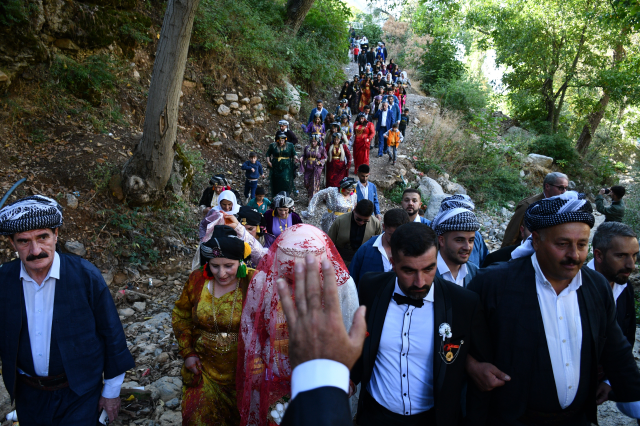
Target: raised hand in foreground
314 332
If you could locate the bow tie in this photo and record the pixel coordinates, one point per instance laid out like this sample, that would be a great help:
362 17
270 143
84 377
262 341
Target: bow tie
404 300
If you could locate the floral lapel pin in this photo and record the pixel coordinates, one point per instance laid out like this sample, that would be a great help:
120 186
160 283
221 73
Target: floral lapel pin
447 350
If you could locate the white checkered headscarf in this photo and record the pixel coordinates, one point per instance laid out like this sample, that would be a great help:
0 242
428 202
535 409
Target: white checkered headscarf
35 212
455 215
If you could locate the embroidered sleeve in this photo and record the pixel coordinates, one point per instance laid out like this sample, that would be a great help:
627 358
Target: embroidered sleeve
182 320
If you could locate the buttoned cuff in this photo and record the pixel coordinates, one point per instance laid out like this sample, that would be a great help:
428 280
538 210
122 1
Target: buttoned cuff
112 387
319 373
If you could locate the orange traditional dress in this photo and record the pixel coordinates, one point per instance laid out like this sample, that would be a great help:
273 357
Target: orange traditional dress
209 398
365 96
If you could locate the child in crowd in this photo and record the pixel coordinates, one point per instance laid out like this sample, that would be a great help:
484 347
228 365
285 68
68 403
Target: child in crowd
404 121
260 203
253 171
393 138
356 52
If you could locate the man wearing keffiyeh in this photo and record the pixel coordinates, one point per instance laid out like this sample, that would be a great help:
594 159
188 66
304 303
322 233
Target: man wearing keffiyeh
553 324
456 226
63 350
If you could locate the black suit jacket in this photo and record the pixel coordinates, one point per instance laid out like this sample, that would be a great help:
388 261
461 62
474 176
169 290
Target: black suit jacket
510 302
626 313
454 305
501 255
325 406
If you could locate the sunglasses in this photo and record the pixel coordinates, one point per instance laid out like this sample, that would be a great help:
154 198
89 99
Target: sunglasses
359 219
560 187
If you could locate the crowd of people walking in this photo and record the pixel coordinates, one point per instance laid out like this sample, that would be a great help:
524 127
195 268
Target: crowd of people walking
532 338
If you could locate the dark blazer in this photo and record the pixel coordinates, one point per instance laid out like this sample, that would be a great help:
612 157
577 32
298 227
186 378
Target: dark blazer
501 255
325 406
372 195
387 124
510 302
626 314
454 305
89 333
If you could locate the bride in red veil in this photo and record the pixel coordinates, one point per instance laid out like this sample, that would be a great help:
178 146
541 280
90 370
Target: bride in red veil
264 373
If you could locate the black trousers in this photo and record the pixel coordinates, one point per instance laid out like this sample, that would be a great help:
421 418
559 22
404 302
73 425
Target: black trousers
374 414
56 408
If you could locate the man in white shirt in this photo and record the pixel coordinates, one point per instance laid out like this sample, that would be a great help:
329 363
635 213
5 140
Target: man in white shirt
456 228
61 332
421 329
615 251
552 324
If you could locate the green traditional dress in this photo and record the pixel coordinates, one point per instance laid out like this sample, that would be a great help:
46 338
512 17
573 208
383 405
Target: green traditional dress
209 398
283 170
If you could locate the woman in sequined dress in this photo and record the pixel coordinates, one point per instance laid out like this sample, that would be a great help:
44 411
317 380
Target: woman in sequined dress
312 165
206 323
338 160
281 217
339 201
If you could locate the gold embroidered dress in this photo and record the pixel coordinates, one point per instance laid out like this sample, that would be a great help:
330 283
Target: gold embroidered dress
209 398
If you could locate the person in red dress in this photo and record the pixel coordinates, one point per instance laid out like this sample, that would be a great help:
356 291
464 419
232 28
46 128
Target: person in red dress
364 132
338 160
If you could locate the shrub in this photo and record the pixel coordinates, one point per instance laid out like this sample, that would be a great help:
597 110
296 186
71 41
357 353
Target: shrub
466 95
558 146
88 80
440 63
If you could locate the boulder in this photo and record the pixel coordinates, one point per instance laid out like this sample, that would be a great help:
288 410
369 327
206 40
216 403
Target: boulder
518 132
234 105
539 160
72 201
231 97
224 110
166 388
173 404
433 207
108 277
293 98
75 247
140 306
126 312
429 187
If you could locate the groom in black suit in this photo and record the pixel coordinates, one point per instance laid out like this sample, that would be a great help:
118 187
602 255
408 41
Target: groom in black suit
421 329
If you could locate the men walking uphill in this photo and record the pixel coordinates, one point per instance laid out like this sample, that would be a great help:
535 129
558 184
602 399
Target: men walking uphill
61 331
554 183
552 323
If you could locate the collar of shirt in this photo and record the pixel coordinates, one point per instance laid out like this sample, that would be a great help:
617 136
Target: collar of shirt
417 219
386 263
54 272
617 288
574 285
427 298
364 189
444 270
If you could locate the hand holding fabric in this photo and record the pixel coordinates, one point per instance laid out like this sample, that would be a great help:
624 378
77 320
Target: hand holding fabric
193 364
314 332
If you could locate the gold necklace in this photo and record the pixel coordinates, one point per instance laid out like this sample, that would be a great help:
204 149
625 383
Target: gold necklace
224 340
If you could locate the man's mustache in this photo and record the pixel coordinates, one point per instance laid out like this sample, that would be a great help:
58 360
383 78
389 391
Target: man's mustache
42 255
570 262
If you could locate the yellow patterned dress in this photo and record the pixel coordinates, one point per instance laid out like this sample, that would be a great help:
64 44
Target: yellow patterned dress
209 398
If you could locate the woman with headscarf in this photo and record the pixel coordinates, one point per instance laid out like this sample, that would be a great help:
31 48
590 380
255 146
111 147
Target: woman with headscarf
264 369
281 160
312 165
339 201
354 102
363 131
345 126
330 118
282 216
345 91
388 79
316 127
391 67
209 198
365 96
338 160
206 323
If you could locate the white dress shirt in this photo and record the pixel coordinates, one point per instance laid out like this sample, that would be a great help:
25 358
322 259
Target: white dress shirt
39 301
563 330
385 259
446 274
364 189
617 288
417 218
383 118
318 373
402 379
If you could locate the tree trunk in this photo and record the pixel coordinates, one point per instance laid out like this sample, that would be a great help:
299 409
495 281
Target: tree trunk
147 172
594 119
296 12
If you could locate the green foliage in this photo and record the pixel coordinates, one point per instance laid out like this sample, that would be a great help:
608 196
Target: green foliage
89 80
136 32
13 12
466 95
101 174
558 146
370 29
440 63
253 32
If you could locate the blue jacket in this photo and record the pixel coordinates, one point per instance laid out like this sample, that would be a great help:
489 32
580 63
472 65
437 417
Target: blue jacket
379 118
472 270
396 111
313 114
366 259
85 322
248 165
372 196
480 250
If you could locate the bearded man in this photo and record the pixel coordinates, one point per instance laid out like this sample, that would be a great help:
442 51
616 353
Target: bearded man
64 353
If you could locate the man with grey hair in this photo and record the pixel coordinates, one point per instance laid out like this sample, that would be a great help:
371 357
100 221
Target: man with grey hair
555 183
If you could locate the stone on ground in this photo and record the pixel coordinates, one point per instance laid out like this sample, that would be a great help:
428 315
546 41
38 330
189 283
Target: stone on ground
539 160
75 247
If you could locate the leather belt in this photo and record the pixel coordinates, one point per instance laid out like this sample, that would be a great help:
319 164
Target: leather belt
50 383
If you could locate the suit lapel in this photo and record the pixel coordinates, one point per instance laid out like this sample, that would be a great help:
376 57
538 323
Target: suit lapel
376 319
441 313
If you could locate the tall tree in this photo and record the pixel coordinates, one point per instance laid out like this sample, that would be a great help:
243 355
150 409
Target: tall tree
147 172
296 12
